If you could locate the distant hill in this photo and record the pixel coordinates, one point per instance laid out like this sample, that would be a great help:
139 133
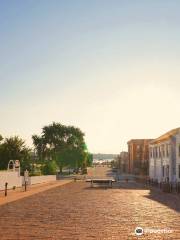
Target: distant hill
103 156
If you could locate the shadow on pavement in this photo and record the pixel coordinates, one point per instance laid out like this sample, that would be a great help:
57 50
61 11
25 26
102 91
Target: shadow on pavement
168 199
132 185
118 185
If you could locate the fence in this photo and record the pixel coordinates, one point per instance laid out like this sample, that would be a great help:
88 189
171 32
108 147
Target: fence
169 187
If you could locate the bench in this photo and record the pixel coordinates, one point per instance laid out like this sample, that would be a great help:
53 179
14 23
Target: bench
104 182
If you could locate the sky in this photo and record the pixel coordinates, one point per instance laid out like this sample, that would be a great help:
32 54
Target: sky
110 68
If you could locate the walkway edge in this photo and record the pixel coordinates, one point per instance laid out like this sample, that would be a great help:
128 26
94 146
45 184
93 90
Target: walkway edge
33 189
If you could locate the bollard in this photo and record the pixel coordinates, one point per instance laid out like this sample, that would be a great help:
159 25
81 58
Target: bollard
6 184
25 186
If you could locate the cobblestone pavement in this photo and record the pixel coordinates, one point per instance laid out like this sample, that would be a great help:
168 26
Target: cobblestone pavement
19 193
76 211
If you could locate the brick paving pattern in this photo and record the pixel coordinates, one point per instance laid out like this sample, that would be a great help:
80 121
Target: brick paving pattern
76 211
19 193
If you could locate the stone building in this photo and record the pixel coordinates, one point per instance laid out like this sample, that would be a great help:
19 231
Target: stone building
138 153
165 157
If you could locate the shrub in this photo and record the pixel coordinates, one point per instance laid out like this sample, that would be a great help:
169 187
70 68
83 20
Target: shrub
49 168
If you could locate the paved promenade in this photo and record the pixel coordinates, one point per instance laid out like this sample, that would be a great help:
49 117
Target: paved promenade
19 193
76 211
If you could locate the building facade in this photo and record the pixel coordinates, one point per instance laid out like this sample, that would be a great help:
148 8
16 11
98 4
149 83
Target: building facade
164 164
138 154
123 162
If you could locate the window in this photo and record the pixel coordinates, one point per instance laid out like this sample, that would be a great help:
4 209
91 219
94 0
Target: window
167 170
179 150
163 153
179 170
138 155
150 152
167 150
138 148
154 152
159 152
163 171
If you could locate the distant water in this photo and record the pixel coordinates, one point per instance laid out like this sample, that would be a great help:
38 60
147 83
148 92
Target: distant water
102 160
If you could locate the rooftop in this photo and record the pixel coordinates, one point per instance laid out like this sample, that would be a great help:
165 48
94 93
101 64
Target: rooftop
139 141
166 136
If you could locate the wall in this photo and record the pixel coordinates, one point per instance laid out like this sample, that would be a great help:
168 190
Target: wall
171 160
12 178
151 168
138 150
41 179
177 157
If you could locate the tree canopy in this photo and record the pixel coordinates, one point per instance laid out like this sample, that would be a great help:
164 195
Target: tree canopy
14 148
64 144
58 145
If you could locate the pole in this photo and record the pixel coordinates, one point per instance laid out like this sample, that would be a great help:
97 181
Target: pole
25 186
6 184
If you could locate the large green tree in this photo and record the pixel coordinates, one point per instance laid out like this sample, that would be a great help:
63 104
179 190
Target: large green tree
64 144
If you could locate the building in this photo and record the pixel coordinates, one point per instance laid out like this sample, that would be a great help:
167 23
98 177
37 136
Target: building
122 162
165 157
138 153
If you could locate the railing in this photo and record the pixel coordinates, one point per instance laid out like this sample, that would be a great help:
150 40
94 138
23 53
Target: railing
178 187
169 187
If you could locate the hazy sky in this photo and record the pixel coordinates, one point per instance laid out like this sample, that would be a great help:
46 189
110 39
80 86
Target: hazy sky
112 68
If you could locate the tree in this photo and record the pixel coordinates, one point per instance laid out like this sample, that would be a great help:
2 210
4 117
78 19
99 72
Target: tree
64 144
89 159
40 146
14 148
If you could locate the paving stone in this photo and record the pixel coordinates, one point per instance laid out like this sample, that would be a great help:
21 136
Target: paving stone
76 211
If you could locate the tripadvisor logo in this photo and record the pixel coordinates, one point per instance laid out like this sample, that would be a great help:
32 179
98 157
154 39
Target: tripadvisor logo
139 231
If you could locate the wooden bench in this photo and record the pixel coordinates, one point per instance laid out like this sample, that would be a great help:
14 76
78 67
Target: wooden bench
104 182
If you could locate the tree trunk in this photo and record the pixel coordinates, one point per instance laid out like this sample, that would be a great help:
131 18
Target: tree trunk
60 168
